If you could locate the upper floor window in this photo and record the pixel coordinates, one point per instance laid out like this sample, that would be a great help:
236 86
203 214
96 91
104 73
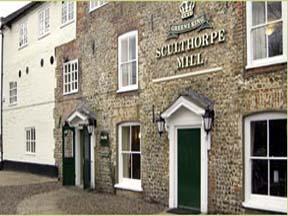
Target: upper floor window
266 33
266 162
12 92
128 61
129 156
44 22
68 11
94 4
23 39
70 77
30 140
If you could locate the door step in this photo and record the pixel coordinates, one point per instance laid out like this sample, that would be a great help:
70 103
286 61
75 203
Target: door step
183 211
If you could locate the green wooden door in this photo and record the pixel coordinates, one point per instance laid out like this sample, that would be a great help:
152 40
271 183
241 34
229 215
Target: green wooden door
68 152
86 158
189 168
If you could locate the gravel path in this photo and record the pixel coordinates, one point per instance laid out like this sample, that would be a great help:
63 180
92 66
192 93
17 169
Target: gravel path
82 202
11 196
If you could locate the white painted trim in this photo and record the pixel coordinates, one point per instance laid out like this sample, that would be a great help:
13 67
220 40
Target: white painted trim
91 9
77 158
172 128
129 87
126 183
266 61
92 158
77 114
74 14
255 201
194 73
182 102
70 72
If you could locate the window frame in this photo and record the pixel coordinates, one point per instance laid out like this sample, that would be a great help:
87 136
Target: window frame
46 31
128 183
132 87
24 36
68 21
70 83
29 141
268 60
96 7
13 97
257 201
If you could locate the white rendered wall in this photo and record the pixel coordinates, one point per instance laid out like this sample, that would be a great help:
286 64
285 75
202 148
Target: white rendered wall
35 101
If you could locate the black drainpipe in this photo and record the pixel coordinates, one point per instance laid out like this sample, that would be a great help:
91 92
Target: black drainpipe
1 112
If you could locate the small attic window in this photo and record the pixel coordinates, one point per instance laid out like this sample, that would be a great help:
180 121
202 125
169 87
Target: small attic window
19 73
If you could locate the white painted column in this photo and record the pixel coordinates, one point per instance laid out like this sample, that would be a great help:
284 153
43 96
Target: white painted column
77 158
92 156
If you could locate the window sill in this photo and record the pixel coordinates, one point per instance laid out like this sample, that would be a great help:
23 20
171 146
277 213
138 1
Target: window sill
67 23
267 62
276 204
129 186
127 89
12 104
93 9
23 46
43 36
30 154
70 93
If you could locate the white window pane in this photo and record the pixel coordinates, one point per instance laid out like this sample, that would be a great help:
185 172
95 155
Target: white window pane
275 41
126 138
132 47
274 11
259 43
124 50
258 13
133 73
126 165
125 74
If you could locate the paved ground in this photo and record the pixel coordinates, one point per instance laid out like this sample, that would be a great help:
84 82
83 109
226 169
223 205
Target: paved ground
31 194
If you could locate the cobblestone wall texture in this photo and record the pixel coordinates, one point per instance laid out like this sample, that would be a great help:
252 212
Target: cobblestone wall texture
235 91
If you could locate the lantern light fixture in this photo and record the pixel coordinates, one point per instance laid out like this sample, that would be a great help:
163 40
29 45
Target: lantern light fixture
208 119
91 125
160 122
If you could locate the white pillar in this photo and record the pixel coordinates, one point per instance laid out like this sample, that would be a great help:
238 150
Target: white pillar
92 156
77 158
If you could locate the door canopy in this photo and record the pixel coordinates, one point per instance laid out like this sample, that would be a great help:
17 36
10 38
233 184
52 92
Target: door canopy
80 116
190 100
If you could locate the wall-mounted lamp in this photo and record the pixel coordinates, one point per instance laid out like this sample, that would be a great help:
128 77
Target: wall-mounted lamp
160 122
91 125
160 125
208 118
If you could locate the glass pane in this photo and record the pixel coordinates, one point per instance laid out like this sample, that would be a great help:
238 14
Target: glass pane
274 10
278 138
132 47
125 74
260 177
275 42
136 160
259 43
258 13
126 138
135 138
133 73
126 165
259 138
124 50
68 143
278 178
